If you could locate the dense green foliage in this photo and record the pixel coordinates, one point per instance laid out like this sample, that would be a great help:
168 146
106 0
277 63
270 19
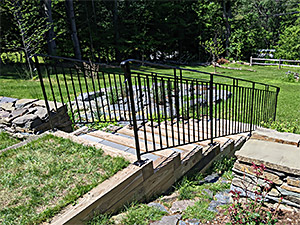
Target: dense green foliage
42 177
115 30
289 42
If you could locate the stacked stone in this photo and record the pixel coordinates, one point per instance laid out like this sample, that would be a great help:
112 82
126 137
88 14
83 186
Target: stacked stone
285 179
112 103
29 116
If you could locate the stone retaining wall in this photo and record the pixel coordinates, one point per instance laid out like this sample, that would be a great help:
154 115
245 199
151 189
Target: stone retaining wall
282 163
29 116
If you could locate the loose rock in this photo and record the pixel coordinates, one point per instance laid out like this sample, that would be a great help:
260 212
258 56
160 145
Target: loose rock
168 220
181 205
158 206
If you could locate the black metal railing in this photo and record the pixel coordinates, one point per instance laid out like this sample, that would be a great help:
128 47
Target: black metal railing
167 106
189 106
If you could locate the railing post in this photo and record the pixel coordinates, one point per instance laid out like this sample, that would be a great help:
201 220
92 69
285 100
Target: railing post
279 66
252 108
43 90
250 60
276 100
126 68
177 93
211 82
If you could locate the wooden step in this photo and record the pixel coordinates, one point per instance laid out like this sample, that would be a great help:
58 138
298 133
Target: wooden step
199 131
129 132
220 140
106 149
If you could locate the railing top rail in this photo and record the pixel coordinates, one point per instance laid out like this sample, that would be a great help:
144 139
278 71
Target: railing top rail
157 65
192 70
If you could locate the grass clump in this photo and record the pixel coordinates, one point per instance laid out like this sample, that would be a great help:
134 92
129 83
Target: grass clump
189 188
6 140
222 165
39 179
101 219
142 214
192 190
199 211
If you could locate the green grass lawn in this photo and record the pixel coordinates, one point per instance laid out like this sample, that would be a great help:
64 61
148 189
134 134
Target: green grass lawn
289 96
12 85
40 178
6 140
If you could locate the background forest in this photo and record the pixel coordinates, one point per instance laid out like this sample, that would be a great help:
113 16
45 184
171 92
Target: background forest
109 31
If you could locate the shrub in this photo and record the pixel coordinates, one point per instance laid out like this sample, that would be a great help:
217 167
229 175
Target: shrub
290 127
291 77
250 211
224 164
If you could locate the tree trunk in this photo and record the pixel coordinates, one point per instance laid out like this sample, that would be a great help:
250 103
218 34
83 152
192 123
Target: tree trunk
90 32
71 18
50 34
18 17
117 35
226 16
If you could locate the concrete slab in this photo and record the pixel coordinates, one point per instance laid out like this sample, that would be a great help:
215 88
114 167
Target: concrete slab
124 135
278 156
131 151
147 156
114 145
91 138
151 156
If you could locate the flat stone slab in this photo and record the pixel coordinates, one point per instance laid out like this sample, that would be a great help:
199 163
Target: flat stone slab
22 120
22 102
51 104
243 168
7 99
281 137
291 188
181 205
158 206
294 181
277 156
8 106
168 220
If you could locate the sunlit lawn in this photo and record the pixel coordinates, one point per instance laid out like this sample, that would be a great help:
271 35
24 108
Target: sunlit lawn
6 140
40 178
288 103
